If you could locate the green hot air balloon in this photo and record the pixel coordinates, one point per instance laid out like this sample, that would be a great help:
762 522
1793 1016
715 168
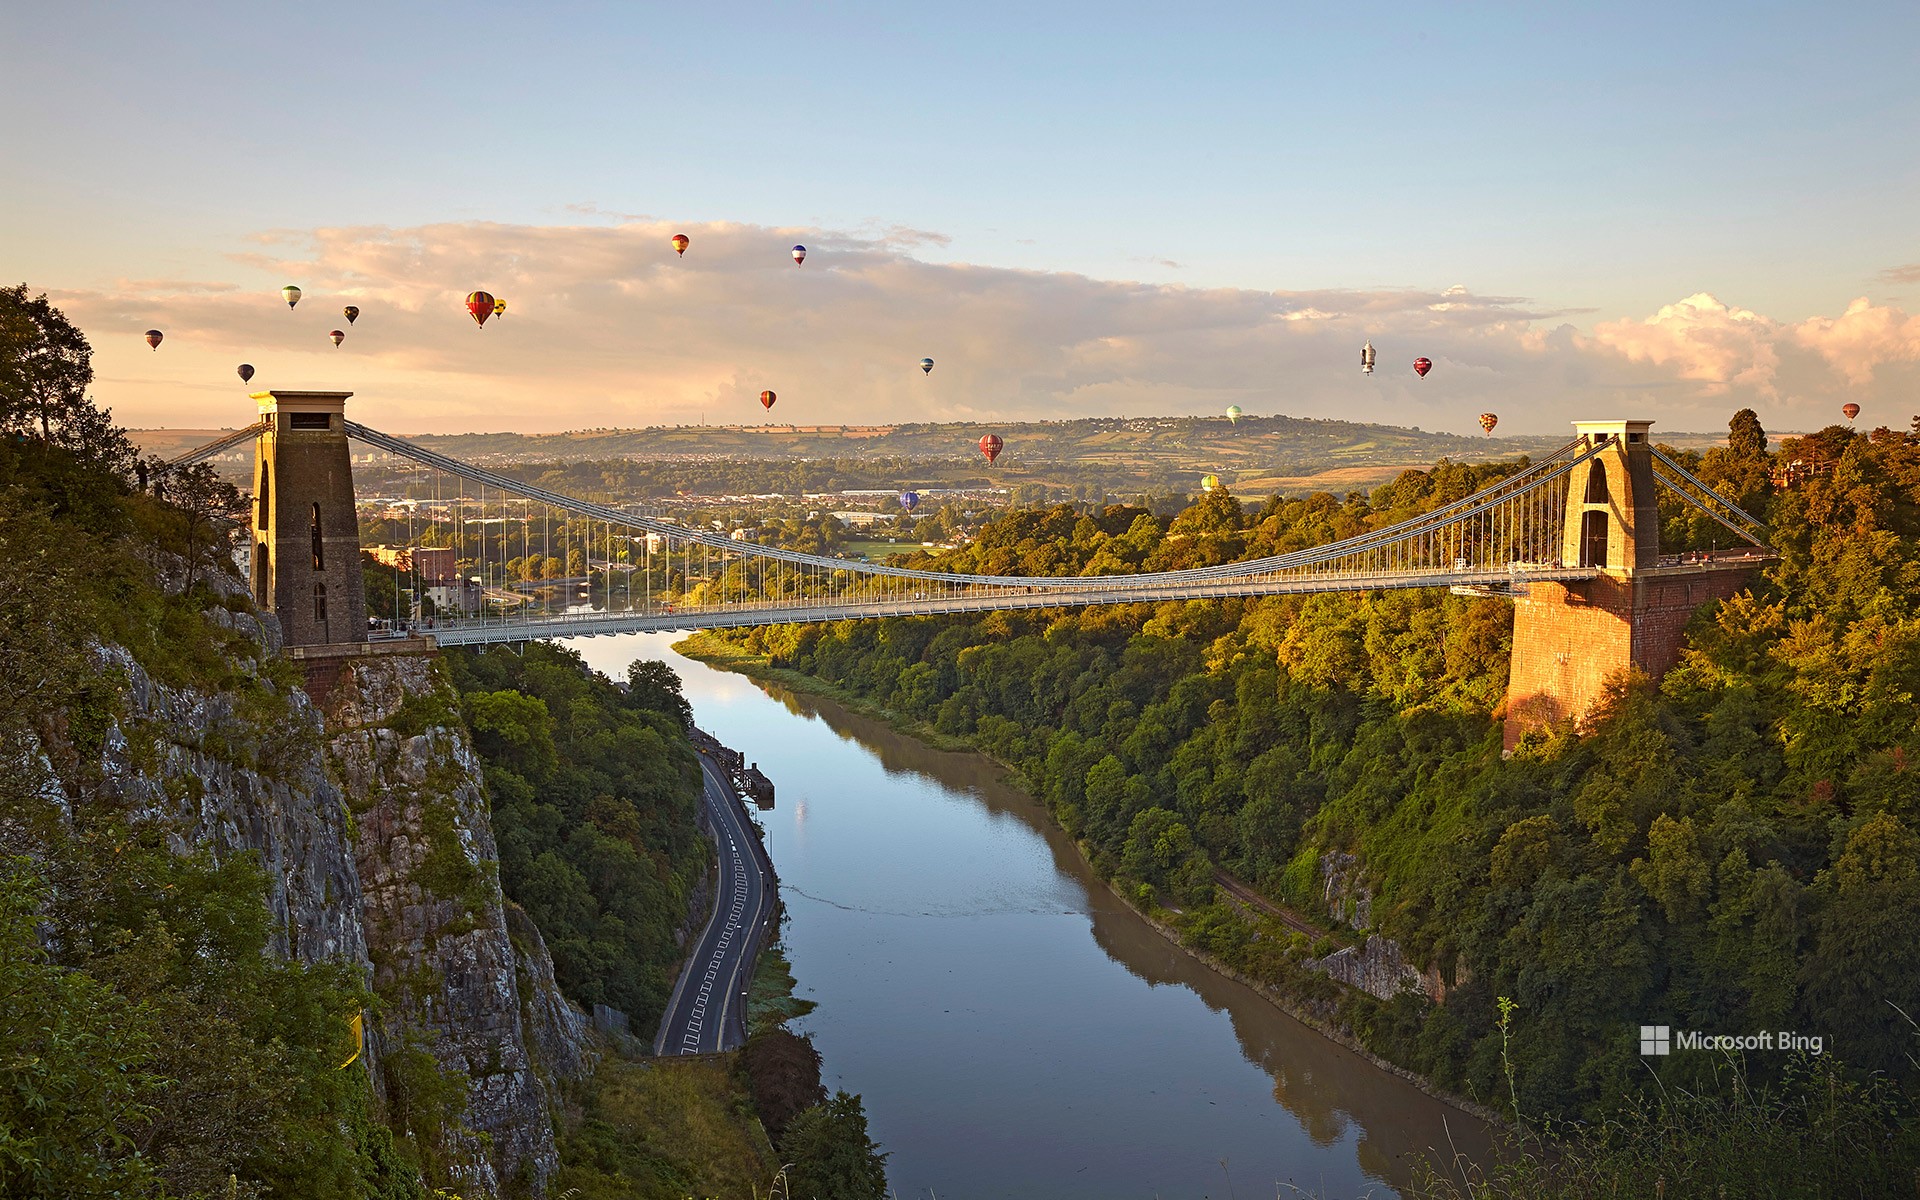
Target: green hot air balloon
1233 414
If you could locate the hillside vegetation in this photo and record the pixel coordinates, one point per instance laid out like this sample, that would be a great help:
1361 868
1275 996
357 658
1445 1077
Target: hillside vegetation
1736 849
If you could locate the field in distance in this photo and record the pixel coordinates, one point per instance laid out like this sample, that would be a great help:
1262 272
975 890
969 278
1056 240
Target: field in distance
1256 456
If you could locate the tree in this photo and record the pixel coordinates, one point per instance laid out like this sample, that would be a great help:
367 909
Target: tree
207 505
1745 437
653 685
832 1156
76 1072
46 366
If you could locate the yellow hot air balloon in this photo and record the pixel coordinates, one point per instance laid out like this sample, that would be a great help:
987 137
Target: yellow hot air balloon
499 308
1209 482
680 243
291 294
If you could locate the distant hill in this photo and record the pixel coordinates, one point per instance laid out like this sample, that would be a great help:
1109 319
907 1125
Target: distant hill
1255 456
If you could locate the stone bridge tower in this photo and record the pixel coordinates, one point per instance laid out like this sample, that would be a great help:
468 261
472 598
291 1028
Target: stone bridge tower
306 534
1571 639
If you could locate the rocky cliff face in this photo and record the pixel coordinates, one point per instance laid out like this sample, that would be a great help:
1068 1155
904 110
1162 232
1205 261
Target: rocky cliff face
453 980
373 830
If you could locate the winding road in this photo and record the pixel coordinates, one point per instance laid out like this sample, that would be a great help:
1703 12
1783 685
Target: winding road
707 1012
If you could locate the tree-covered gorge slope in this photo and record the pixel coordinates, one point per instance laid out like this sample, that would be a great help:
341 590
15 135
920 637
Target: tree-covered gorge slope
1736 849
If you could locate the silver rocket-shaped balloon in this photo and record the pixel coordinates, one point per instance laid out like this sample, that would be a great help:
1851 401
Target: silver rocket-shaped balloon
1366 359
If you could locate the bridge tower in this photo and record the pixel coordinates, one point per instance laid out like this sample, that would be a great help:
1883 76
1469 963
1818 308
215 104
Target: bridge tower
306 534
1571 639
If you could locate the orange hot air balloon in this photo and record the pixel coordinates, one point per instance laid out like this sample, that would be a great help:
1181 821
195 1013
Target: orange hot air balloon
153 338
1422 365
338 336
767 399
991 445
479 306
1852 410
1488 421
680 243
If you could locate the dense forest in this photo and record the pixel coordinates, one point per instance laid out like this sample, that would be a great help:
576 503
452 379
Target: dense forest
1733 849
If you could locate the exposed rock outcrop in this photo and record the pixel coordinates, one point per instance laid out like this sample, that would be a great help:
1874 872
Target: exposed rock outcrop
451 977
374 834
1376 967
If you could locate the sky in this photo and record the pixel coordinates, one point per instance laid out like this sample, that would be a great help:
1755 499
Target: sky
1661 211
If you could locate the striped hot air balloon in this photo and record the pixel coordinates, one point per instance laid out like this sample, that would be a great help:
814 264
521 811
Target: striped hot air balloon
480 306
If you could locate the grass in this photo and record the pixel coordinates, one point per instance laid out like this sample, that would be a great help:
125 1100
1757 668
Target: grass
665 1129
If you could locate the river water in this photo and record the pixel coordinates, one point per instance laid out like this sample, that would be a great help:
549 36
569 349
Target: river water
1014 1029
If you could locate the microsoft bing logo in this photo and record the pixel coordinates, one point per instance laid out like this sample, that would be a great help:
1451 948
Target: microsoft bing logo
1656 1039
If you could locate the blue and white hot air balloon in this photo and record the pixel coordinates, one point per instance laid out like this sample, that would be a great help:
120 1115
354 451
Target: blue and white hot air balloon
909 500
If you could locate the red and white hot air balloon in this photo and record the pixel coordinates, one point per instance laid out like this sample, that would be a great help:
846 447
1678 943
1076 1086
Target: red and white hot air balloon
991 445
479 306
799 255
1422 365
337 336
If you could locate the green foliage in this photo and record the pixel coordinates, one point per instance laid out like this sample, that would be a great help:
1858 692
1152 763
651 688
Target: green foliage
831 1155
1736 849
595 795
663 1130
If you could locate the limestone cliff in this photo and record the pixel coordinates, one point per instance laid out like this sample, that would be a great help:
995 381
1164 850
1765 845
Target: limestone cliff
372 828
444 964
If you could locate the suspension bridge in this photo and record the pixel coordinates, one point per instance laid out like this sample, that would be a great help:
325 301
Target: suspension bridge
1570 530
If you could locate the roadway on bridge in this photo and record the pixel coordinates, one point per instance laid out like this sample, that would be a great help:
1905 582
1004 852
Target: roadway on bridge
707 1012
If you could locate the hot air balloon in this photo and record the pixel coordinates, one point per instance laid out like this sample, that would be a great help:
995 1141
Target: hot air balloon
1233 414
799 255
499 308
351 312
338 336
1422 365
909 500
1488 421
1209 482
292 295
926 366
479 306
1852 410
1366 359
991 445
153 338
245 372
680 243
767 399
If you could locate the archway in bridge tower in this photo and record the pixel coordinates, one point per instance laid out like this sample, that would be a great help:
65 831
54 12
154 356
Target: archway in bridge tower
1594 528
1597 483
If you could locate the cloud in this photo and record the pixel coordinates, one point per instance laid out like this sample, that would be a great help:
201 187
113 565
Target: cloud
607 326
1907 273
1701 339
1862 339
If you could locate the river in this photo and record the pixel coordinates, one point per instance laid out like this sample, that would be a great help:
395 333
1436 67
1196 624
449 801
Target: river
1014 1029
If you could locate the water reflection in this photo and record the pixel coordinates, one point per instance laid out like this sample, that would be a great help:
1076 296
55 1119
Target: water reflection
941 919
